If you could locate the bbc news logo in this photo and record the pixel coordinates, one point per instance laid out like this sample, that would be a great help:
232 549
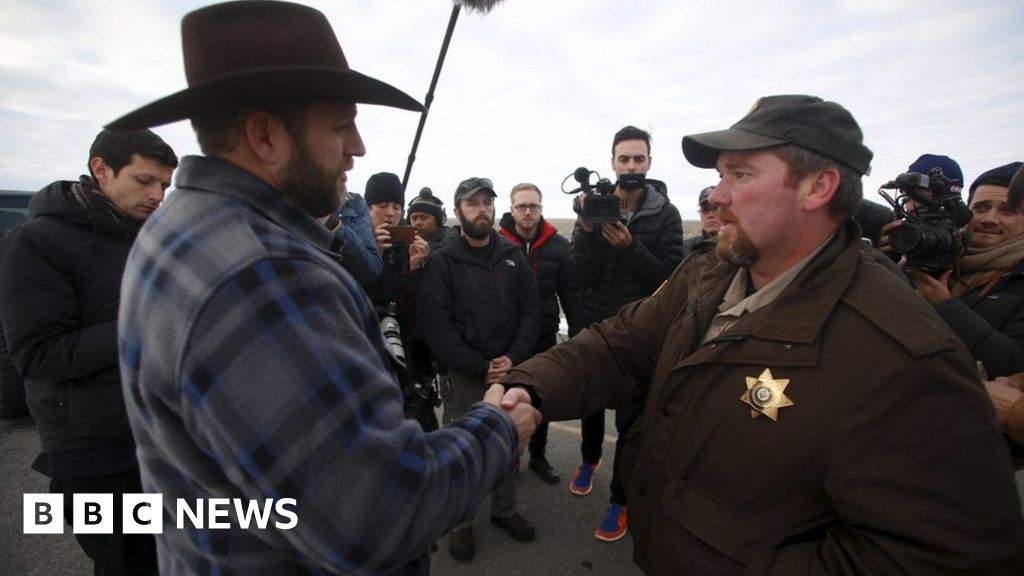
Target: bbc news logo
143 514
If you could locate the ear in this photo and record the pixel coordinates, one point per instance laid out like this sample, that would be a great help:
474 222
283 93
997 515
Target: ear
267 138
103 173
817 189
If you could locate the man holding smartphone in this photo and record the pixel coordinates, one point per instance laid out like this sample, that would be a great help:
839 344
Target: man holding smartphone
394 294
385 197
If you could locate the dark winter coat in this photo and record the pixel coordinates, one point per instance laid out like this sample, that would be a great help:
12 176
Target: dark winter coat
471 311
60 283
611 278
436 239
700 244
991 326
550 255
888 461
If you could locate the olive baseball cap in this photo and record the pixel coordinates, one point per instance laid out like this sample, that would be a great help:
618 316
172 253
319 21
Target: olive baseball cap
805 121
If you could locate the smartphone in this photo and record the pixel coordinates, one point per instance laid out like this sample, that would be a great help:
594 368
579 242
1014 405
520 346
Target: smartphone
401 234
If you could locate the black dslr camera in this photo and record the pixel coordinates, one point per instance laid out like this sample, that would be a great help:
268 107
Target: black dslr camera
602 205
930 233
421 398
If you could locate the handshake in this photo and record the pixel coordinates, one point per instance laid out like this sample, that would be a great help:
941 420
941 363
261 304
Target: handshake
516 403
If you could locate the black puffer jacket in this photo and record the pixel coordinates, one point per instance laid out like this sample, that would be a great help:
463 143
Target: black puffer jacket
992 326
470 311
612 278
60 284
550 255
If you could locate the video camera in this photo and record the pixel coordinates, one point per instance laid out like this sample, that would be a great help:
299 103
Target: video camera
930 233
601 205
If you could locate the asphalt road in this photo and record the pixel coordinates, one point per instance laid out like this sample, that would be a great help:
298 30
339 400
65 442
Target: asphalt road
565 523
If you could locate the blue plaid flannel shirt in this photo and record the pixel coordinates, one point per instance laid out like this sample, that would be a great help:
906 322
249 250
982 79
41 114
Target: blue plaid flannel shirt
253 368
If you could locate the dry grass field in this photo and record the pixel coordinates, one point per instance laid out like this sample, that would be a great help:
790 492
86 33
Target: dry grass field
564 226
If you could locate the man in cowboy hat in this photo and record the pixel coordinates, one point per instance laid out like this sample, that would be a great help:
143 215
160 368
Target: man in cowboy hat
253 365
805 412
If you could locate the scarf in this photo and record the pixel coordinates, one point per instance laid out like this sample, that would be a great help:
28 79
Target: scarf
87 194
984 266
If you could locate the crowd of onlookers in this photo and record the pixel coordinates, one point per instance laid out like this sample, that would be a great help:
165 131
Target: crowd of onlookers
806 386
490 298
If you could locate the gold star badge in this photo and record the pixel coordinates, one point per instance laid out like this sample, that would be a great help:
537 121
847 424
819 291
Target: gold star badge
766 395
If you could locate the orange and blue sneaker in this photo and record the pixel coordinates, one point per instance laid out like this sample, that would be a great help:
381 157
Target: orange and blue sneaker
614 525
583 479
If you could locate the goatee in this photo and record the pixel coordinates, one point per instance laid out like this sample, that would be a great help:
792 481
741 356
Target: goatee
737 249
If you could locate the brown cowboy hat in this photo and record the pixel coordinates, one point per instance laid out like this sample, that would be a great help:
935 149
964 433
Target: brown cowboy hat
256 52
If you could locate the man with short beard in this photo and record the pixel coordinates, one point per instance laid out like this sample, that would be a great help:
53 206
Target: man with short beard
478 311
805 411
253 363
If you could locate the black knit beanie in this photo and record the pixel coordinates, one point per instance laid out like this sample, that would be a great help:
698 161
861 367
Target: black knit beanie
384 187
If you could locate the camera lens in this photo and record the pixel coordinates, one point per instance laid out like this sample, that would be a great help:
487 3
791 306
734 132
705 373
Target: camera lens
905 237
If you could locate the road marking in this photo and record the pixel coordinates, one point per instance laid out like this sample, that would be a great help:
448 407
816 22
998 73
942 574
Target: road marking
608 438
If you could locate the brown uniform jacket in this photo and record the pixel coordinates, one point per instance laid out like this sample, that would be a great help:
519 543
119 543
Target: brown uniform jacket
888 461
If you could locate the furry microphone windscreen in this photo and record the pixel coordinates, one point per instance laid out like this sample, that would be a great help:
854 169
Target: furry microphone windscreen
482 6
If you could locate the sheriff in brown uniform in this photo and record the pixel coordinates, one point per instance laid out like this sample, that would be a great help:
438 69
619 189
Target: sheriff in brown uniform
805 412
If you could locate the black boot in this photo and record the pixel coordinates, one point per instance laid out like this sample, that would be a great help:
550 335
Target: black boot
543 469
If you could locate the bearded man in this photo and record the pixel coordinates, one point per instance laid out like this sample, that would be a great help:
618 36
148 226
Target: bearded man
478 310
253 363
804 411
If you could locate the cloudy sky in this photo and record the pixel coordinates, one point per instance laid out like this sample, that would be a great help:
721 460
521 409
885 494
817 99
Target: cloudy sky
537 88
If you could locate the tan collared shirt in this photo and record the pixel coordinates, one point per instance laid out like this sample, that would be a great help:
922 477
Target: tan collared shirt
736 302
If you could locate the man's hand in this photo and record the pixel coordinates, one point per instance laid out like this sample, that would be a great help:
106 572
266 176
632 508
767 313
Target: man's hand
617 235
935 291
498 368
580 199
515 396
383 237
1004 393
418 252
525 416
883 236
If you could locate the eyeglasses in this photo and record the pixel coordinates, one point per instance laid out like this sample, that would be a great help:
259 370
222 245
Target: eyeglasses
708 209
527 207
